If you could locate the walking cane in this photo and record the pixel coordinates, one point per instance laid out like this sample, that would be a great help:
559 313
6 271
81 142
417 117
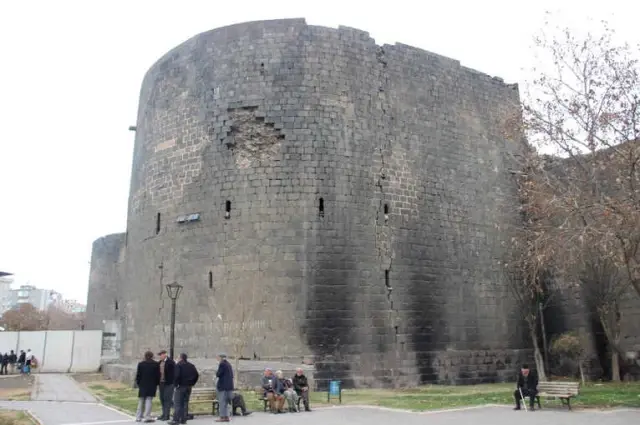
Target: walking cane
522 399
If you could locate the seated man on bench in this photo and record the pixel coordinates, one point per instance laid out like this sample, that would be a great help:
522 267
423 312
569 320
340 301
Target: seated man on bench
527 387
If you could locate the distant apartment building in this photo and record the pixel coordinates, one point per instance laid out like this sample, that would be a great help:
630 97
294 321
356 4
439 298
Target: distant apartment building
6 280
39 298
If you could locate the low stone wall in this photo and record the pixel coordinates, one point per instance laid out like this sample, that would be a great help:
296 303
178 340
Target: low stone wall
249 375
479 367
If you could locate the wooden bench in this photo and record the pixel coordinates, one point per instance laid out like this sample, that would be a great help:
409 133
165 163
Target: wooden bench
558 389
205 395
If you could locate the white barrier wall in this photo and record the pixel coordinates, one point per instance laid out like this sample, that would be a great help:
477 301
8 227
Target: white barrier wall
57 351
8 341
87 351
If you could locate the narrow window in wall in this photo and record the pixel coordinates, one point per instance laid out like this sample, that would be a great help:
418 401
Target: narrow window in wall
321 207
386 279
227 210
210 280
386 212
158 223
116 304
94 308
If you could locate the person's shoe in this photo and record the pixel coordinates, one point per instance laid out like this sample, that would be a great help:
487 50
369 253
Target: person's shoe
138 420
149 420
161 418
247 413
172 423
307 409
516 408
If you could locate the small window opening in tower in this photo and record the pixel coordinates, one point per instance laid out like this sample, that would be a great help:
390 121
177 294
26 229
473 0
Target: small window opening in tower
94 308
321 208
386 280
116 305
386 212
158 223
210 280
227 210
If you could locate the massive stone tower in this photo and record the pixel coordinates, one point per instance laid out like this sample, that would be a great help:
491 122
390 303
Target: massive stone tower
363 190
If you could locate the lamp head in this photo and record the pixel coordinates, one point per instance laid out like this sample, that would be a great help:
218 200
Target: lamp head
173 290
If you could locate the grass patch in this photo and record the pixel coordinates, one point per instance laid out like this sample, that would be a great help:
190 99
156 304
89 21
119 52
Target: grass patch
422 398
15 417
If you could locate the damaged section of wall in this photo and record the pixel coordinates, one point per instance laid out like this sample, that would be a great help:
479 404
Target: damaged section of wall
250 137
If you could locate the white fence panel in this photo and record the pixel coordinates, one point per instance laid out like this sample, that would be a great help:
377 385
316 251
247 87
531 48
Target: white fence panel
8 342
87 351
34 341
58 352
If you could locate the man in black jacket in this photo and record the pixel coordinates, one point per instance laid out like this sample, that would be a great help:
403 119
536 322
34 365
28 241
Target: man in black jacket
186 376
167 377
147 381
12 362
224 387
301 387
528 384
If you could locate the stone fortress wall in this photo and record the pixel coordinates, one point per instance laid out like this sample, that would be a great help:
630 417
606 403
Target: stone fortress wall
366 186
107 261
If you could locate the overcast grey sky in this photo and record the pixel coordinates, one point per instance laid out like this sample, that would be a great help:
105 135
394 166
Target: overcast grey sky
69 83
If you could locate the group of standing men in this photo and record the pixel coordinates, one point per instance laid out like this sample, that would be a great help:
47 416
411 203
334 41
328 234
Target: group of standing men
175 381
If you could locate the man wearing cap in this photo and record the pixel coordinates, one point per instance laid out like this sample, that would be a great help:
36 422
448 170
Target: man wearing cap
527 386
167 376
186 376
224 387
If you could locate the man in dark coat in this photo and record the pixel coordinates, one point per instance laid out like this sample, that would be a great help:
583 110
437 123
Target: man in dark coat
147 381
22 360
528 385
224 387
12 361
186 376
167 376
301 387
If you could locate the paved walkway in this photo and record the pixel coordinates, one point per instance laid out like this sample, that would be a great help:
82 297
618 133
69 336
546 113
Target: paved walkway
72 405
69 413
58 387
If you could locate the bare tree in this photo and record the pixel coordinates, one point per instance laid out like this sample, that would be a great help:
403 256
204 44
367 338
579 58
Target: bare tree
586 108
25 317
605 286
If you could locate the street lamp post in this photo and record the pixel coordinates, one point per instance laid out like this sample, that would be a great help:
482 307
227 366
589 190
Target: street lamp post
173 290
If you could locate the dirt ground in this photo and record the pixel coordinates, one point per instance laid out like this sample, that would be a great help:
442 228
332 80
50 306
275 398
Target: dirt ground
87 377
15 387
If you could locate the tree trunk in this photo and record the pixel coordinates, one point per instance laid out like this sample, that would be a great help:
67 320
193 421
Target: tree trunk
610 319
581 372
615 366
536 351
544 336
236 372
